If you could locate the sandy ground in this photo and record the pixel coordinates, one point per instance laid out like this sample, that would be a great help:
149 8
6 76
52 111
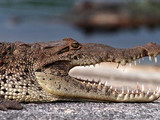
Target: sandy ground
85 111
93 110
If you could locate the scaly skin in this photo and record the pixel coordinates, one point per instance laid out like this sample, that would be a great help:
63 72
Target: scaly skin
39 72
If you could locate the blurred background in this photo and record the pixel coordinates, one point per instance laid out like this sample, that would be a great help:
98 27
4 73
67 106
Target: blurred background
114 22
117 23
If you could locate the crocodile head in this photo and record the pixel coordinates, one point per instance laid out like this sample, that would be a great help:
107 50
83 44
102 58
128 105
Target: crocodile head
54 60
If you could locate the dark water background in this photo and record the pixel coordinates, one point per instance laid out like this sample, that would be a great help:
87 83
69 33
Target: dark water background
31 21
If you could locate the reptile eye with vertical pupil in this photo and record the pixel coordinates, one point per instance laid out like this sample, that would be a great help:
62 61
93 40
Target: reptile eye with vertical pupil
75 45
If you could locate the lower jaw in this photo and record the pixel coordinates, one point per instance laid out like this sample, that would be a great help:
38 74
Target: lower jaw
101 92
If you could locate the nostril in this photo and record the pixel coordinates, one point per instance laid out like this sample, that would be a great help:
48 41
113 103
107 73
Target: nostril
75 57
38 70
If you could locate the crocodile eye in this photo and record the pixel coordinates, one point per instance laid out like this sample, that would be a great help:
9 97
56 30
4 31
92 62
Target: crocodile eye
75 45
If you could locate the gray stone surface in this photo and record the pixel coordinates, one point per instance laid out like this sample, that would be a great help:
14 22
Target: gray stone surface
85 111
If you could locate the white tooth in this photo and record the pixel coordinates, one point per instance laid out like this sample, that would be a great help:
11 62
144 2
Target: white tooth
142 88
122 90
115 90
150 58
132 91
128 90
124 67
117 65
137 91
154 92
148 91
88 82
94 83
135 62
139 60
99 83
157 88
105 83
155 59
110 87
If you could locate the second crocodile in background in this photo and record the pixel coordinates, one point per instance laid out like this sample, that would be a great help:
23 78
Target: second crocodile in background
38 72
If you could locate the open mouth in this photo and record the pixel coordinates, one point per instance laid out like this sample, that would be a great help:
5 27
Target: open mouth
142 71
134 78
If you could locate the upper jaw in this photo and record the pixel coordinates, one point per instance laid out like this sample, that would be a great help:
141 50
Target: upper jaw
91 54
95 53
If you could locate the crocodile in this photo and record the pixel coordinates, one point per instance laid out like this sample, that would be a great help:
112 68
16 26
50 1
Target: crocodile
38 72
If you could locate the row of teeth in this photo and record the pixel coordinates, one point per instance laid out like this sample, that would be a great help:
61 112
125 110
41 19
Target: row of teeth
124 93
123 90
130 64
139 60
123 63
135 62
